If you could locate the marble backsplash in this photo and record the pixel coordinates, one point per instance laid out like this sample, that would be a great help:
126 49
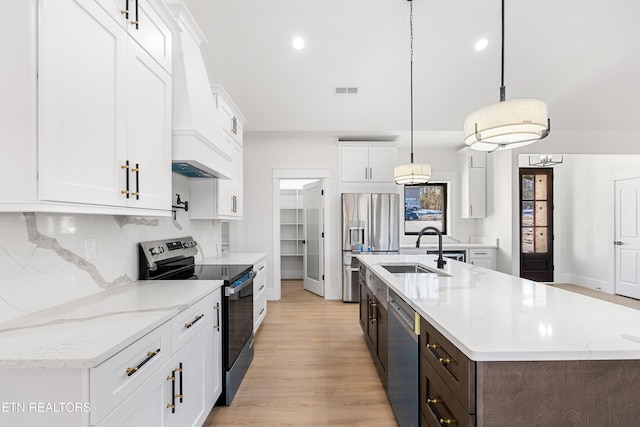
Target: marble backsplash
42 256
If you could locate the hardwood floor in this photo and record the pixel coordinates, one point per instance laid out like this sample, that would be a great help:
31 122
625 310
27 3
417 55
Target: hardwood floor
616 299
311 368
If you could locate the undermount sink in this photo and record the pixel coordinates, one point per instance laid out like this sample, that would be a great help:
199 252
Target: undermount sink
400 269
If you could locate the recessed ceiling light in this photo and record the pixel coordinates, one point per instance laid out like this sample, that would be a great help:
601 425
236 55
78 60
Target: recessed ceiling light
298 43
481 44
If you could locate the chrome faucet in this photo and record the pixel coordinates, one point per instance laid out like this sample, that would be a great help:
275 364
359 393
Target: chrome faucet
441 262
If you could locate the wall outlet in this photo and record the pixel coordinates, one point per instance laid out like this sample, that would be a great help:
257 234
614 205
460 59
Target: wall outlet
90 249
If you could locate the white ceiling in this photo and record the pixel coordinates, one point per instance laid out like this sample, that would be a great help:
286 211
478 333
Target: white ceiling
581 56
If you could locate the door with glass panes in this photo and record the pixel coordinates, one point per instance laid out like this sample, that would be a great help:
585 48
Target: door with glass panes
536 224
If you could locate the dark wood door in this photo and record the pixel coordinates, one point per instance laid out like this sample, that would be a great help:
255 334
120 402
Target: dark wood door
536 224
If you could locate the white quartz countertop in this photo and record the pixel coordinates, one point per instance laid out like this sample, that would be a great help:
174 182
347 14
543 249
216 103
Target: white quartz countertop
233 259
491 316
85 332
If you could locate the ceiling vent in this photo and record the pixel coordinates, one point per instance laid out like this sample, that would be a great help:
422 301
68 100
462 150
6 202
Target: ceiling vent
346 91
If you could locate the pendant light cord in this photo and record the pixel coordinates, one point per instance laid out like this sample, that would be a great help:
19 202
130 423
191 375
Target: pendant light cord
502 88
411 68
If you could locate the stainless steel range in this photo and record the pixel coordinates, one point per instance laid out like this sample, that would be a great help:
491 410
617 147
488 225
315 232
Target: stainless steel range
174 259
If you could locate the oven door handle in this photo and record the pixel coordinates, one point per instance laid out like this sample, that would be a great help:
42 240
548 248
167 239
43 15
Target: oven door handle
249 281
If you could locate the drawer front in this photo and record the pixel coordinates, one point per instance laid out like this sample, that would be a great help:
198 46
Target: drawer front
114 380
456 370
259 311
482 253
260 282
189 322
438 406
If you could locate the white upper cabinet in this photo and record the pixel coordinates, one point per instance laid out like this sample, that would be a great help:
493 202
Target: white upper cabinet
231 124
367 162
82 106
473 159
149 131
101 112
222 198
144 24
472 171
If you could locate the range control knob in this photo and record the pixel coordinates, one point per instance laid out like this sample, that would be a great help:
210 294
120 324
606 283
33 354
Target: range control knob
153 251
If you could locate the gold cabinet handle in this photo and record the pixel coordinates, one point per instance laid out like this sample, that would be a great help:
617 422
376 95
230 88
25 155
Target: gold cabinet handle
126 167
443 421
134 22
172 405
150 355
198 317
443 360
124 12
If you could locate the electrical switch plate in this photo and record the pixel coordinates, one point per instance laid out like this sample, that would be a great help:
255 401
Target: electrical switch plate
90 249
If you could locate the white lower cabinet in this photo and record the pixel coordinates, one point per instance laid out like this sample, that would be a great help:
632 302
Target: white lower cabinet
174 395
259 294
183 391
486 258
171 376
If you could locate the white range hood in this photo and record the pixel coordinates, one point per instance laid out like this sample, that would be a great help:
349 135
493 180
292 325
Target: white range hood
199 147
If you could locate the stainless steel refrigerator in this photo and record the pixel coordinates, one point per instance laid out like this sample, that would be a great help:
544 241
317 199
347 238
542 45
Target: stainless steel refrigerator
370 223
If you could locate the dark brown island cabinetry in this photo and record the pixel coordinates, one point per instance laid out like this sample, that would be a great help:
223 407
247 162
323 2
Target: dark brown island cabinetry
457 391
373 320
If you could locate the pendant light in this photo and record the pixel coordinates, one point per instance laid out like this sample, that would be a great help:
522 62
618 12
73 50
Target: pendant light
411 173
507 124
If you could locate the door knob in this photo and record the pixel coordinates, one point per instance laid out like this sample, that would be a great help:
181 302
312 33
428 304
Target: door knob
618 243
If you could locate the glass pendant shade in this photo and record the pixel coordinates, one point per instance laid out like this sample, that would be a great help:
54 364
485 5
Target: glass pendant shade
412 173
507 124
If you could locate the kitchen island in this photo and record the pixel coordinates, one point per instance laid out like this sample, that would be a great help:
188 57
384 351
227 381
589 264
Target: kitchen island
497 350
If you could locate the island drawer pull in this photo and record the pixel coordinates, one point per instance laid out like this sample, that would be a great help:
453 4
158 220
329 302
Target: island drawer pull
150 355
443 360
443 421
198 317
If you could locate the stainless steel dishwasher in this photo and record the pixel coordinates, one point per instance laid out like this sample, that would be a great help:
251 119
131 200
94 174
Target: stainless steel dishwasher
403 361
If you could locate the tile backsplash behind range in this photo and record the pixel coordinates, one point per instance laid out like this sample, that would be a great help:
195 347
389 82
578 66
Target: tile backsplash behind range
47 259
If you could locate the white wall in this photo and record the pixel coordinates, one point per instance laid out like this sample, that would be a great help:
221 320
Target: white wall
500 194
583 258
42 255
255 232
587 221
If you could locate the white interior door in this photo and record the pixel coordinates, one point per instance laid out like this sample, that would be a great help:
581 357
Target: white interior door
627 237
314 237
